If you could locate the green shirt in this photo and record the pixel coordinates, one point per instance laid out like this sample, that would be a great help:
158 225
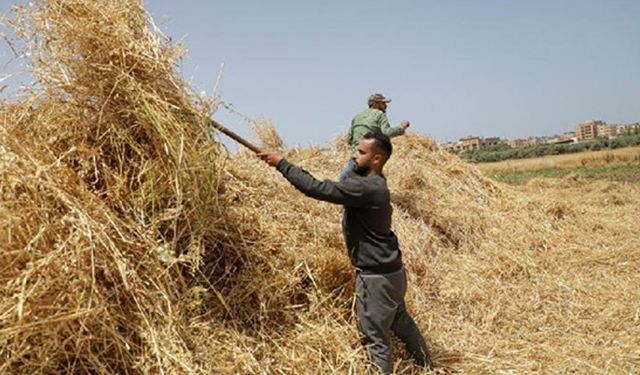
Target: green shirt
368 120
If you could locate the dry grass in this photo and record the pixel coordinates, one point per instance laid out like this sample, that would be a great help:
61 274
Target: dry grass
266 132
583 159
131 244
109 195
502 280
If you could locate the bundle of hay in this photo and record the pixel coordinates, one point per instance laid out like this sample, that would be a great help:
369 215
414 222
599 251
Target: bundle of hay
110 193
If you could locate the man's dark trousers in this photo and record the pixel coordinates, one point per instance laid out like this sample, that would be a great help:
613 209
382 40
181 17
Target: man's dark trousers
380 308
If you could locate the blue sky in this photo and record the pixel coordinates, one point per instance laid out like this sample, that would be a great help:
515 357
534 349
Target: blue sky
453 68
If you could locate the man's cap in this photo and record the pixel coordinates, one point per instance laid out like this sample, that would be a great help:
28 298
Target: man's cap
377 97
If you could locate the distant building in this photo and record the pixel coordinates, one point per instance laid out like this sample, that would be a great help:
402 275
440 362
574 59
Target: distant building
588 129
569 136
472 143
594 128
522 142
609 131
622 129
517 143
490 142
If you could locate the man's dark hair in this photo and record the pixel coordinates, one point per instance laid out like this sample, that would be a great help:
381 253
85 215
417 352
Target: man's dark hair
381 143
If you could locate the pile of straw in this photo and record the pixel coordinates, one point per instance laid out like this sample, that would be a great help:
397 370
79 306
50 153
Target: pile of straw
111 193
537 280
133 244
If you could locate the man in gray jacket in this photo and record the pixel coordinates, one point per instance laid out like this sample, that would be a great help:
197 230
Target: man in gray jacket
381 282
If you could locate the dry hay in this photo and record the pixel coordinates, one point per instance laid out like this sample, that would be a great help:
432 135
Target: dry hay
500 279
108 187
266 132
133 244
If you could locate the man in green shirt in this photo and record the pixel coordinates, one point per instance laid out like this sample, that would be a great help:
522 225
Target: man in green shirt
373 118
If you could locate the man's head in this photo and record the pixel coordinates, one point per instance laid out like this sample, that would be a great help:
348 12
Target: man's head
378 101
372 153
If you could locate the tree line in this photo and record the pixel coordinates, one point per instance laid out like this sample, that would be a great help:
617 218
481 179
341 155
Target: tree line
503 151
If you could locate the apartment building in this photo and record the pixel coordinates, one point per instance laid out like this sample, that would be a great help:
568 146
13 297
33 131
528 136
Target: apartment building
588 129
472 143
609 131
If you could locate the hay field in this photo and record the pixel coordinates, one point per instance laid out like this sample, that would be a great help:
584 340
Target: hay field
627 155
133 244
622 165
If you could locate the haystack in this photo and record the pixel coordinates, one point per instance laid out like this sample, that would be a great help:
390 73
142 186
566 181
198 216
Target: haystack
110 193
134 244
501 280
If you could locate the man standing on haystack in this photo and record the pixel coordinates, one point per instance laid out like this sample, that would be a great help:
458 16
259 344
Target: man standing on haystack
374 118
381 282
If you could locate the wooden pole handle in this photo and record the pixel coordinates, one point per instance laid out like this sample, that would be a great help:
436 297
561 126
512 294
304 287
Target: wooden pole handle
234 136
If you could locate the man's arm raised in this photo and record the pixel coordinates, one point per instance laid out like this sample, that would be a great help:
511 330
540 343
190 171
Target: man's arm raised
349 193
